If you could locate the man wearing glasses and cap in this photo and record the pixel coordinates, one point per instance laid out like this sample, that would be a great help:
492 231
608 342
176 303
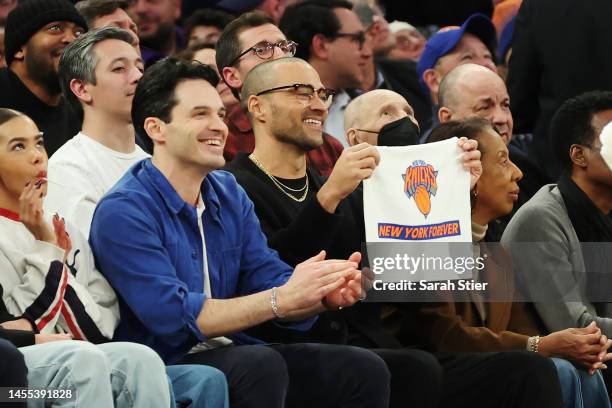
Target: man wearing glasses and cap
245 43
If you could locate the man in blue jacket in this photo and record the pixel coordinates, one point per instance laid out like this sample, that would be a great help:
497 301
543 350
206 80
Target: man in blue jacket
183 248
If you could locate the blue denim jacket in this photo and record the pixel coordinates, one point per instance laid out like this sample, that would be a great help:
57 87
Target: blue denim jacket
146 242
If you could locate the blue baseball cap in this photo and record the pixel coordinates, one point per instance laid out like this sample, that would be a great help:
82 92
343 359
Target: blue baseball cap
443 42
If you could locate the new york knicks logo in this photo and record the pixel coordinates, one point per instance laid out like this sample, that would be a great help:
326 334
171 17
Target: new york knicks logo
420 184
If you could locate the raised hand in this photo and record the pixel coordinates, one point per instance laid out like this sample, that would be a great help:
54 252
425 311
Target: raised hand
355 164
61 235
32 214
471 159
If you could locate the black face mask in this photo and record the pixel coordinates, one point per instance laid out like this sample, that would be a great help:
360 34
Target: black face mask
402 132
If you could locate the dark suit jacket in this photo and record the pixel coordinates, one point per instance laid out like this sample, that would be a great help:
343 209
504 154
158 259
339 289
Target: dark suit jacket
561 49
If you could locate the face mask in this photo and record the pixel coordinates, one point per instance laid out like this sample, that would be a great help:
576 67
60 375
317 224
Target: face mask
606 144
402 132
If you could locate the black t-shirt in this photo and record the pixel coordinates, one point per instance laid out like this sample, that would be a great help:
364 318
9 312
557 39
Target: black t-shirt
58 123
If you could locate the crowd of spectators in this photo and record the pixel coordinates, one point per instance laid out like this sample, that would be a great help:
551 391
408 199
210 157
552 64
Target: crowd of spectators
181 202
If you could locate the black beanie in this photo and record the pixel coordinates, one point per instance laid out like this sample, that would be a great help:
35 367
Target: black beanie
30 16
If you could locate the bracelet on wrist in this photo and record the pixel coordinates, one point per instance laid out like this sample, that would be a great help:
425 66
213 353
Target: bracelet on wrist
274 303
533 344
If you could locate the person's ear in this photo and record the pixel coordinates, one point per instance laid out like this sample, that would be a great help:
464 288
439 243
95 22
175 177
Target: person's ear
445 114
79 89
232 77
256 109
577 155
319 47
372 30
351 137
354 137
155 128
432 79
20 54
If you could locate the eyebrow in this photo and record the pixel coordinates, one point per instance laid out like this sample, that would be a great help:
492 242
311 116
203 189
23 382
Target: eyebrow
140 60
486 99
503 153
38 136
406 107
385 106
206 108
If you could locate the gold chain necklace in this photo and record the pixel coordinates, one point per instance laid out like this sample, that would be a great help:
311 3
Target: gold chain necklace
280 185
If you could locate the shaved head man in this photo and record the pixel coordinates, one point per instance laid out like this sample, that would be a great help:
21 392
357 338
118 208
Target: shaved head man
473 90
389 107
274 113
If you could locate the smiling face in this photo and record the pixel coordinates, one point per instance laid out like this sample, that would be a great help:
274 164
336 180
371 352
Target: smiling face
155 18
292 118
270 33
469 50
22 157
118 69
345 55
196 134
42 52
498 186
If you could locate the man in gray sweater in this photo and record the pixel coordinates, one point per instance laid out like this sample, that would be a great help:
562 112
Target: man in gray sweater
565 278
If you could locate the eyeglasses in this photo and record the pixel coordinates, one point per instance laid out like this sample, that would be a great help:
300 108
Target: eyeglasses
358 37
265 50
305 93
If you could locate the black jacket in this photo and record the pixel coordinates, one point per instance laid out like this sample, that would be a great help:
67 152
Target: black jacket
58 123
401 76
561 49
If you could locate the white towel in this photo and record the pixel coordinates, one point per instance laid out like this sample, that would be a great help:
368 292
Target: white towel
418 193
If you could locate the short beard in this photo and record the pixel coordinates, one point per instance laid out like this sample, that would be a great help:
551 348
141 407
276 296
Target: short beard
42 72
293 134
302 143
160 40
